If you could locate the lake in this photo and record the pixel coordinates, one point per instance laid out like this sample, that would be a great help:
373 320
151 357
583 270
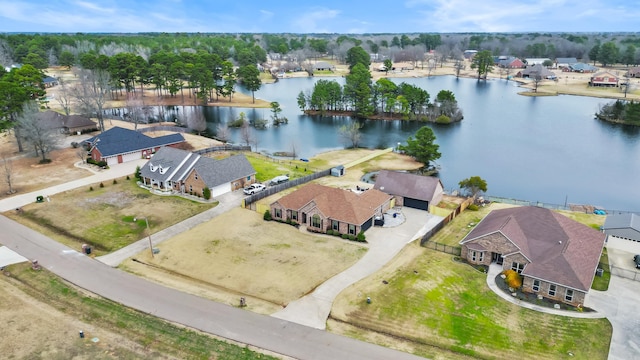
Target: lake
549 149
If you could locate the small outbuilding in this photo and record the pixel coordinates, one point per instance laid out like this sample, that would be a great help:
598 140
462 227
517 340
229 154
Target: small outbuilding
410 190
624 226
338 171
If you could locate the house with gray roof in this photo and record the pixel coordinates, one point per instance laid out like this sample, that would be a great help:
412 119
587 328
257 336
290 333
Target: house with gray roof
410 190
624 226
535 70
118 145
556 256
71 124
323 66
181 171
565 62
581 68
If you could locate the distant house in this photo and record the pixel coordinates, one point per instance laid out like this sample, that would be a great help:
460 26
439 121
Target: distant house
323 66
321 208
604 78
50 81
624 226
565 62
410 190
181 171
72 124
634 72
535 70
118 145
535 61
556 256
581 68
469 54
508 62
402 66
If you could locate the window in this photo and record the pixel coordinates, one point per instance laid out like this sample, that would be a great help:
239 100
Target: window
352 229
568 295
278 212
195 175
517 267
536 285
473 255
335 225
294 215
480 256
249 177
552 290
190 188
315 221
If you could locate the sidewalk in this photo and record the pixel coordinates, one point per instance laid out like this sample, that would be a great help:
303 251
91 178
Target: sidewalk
115 171
495 270
226 203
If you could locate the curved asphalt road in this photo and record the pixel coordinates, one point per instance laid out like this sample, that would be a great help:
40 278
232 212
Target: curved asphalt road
262 331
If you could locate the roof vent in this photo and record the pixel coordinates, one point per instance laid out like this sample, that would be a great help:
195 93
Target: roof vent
559 241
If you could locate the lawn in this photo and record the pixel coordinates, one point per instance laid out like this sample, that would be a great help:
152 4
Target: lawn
45 314
444 309
104 217
267 168
601 283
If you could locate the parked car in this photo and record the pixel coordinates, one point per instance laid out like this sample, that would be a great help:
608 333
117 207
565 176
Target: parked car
253 188
279 180
636 259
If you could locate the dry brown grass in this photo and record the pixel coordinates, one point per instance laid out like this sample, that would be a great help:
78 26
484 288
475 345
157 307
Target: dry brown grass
239 254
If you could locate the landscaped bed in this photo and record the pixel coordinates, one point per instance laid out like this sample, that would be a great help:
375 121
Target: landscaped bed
439 308
103 216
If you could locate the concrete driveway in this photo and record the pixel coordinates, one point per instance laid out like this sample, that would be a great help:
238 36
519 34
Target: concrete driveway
620 305
384 243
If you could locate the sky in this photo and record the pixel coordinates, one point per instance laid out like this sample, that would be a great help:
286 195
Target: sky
327 16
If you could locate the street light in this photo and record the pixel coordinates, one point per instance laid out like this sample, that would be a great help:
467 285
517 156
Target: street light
148 232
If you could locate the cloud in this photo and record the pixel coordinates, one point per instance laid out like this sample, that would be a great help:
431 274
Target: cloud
95 7
315 21
265 15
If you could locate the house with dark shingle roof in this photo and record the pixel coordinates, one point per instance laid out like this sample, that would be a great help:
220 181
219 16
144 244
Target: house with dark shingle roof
322 208
71 124
410 190
535 70
323 66
118 145
556 256
184 172
624 226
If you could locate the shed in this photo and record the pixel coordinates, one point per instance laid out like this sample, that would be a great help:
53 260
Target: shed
337 171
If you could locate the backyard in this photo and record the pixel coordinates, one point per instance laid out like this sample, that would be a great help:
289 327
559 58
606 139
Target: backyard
443 309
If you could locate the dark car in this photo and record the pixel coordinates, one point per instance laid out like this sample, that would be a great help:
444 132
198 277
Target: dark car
636 259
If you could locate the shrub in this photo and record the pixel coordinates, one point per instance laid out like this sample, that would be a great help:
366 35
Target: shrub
90 188
329 232
138 174
443 119
128 178
513 279
267 215
345 236
351 237
206 193
115 181
473 207
45 161
101 185
361 237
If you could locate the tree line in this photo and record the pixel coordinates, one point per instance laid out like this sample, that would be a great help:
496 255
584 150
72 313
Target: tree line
363 98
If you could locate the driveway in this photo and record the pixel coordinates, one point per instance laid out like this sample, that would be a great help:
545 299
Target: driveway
384 243
620 305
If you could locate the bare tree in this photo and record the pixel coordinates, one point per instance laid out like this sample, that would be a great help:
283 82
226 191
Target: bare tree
134 106
458 66
350 134
41 135
537 78
5 53
293 149
92 92
81 153
196 121
222 132
64 96
246 134
8 173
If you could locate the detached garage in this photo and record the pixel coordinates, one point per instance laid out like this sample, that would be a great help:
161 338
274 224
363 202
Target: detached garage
624 226
410 190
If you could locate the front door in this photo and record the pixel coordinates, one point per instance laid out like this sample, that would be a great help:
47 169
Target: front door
496 258
304 218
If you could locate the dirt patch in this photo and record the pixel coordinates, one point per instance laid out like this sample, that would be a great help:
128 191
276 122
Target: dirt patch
268 263
35 330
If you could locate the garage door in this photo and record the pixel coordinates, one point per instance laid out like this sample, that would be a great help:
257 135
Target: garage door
416 204
132 156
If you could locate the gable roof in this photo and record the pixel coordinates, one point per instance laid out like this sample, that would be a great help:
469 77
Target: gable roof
119 140
322 65
582 67
623 225
218 172
170 164
407 185
568 61
604 74
74 121
337 204
538 69
561 250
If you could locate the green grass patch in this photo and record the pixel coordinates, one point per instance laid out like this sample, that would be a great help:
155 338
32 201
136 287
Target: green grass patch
460 226
437 303
591 220
268 168
601 283
156 335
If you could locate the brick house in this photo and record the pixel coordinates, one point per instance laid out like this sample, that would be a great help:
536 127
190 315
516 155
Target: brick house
410 190
634 72
603 78
321 208
118 145
509 62
556 256
181 171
